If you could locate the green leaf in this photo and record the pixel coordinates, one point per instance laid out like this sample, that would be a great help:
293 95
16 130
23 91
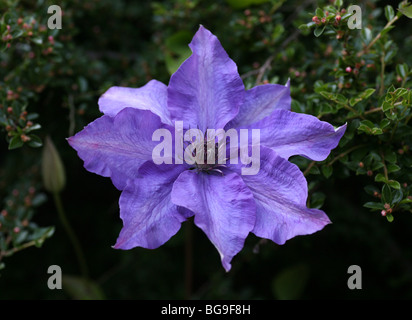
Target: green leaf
317 199
387 106
41 234
380 178
389 217
15 142
327 171
17 33
376 131
366 34
291 282
353 101
319 30
390 156
369 127
19 238
386 30
384 123
393 168
37 40
374 205
338 98
394 184
306 27
397 196
367 123
367 93
406 200
341 98
32 128
407 11
35 141
319 12
177 50
402 70
386 194
388 57
389 12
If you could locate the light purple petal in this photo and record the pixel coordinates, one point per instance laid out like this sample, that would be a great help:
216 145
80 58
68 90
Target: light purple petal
260 102
289 133
280 192
117 147
152 96
206 91
223 206
149 216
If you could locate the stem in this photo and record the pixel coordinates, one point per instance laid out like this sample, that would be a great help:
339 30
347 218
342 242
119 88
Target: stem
74 240
385 169
358 114
372 111
188 259
6 253
23 246
381 89
407 119
371 44
345 153
308 168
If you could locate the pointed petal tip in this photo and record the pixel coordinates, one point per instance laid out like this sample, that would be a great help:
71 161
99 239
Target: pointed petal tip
71 141
288 83
120 245
342 128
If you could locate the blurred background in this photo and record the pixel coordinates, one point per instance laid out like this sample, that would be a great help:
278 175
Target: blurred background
53 79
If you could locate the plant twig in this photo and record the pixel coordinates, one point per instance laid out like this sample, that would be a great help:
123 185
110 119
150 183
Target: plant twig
345 153
305 173
75 242
372 43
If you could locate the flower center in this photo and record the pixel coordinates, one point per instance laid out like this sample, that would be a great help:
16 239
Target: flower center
206 157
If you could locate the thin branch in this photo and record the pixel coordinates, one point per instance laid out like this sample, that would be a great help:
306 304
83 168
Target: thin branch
305 173
372 43
345 153
72 118
260 72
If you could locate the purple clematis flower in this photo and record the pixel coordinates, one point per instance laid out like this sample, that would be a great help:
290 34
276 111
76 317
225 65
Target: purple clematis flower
206 92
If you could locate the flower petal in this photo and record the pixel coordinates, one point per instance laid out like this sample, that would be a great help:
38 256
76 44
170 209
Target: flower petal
280 191
289 133
117 147
152 96
260 102
223 206
206 91
149 216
